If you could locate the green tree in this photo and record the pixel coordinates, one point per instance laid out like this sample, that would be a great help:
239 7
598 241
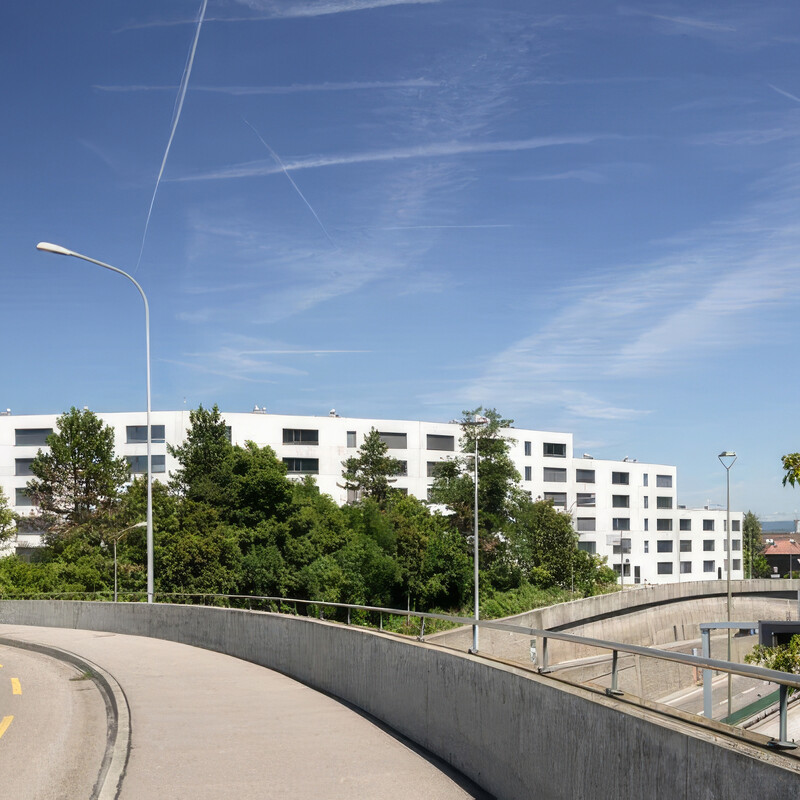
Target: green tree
498 482
543 544
7 520
368 473
783 657
202 456
80 477
791 466
755 563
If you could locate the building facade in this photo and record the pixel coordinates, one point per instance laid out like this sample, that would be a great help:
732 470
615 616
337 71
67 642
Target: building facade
625 510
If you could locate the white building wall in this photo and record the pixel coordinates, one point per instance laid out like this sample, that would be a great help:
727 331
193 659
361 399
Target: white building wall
544 459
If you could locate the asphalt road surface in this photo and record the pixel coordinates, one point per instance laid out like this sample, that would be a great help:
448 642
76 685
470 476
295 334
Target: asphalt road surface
206 726
52 728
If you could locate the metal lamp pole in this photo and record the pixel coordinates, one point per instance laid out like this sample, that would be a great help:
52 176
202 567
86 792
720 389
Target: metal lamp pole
115 539
476 551
63 251
727 459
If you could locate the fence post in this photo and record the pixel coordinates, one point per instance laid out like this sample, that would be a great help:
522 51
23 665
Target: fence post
545 666
421 629
614 690
782 742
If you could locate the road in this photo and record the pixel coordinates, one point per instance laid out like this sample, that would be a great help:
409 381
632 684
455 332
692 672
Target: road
744 691
205 726
52 728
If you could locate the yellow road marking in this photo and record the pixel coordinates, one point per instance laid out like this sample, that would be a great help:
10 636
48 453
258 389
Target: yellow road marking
4 723
15 687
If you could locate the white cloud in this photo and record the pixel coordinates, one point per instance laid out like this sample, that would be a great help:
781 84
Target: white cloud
433 150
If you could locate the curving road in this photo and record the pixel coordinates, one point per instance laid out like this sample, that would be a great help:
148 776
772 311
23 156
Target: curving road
206 725
52 728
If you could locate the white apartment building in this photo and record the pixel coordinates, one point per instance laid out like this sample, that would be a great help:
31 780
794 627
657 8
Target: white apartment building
625 510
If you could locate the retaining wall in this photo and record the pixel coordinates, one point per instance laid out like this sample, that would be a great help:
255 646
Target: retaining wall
516 734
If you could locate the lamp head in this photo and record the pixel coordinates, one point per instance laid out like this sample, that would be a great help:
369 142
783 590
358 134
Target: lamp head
727 456
53 248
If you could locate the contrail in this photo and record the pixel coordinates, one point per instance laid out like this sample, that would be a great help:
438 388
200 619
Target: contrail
176 115
296 187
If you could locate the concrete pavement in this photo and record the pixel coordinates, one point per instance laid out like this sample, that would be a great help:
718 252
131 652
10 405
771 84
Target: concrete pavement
206 725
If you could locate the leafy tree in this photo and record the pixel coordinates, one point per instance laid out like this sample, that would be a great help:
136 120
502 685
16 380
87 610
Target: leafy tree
202 456
791 466
784 657
753 546
81 476
543 544
369 472
7 520
498 482
253 486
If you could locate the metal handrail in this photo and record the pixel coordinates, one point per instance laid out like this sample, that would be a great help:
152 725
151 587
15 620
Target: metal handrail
785 680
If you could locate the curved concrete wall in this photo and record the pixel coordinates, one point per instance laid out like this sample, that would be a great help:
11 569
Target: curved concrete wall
515 733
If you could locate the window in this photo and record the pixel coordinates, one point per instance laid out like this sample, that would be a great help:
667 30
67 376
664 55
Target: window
647 524
22 466
623 546
737 563
439 442
686 567
646 501
708 545
621 524
528 473
558 498
584 475
31 437
586 524
686 545
686 524
402 468
22 498
627 569
735 525
621 501
663 524
138 464
394 441
708 524
588 547
302 466
586 500
664 481
229 433
300 436
664 546
528 450
555 475
663 502
351 438
644 479
556 449
736 544
432 467
664 568
137 434
709 566
646 546
622 478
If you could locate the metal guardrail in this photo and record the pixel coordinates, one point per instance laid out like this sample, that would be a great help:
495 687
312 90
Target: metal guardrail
786 681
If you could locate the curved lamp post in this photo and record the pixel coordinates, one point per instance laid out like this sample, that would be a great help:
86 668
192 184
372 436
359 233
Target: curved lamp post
727 459
115 538
62 251
476 421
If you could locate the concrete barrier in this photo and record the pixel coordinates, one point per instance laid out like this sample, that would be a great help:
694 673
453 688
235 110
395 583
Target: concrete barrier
515 733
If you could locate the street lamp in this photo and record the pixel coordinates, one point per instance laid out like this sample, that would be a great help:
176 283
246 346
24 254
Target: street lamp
115 538
727 459
476 420
62 251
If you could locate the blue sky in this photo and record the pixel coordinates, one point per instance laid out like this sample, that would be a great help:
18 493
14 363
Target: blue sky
584 214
